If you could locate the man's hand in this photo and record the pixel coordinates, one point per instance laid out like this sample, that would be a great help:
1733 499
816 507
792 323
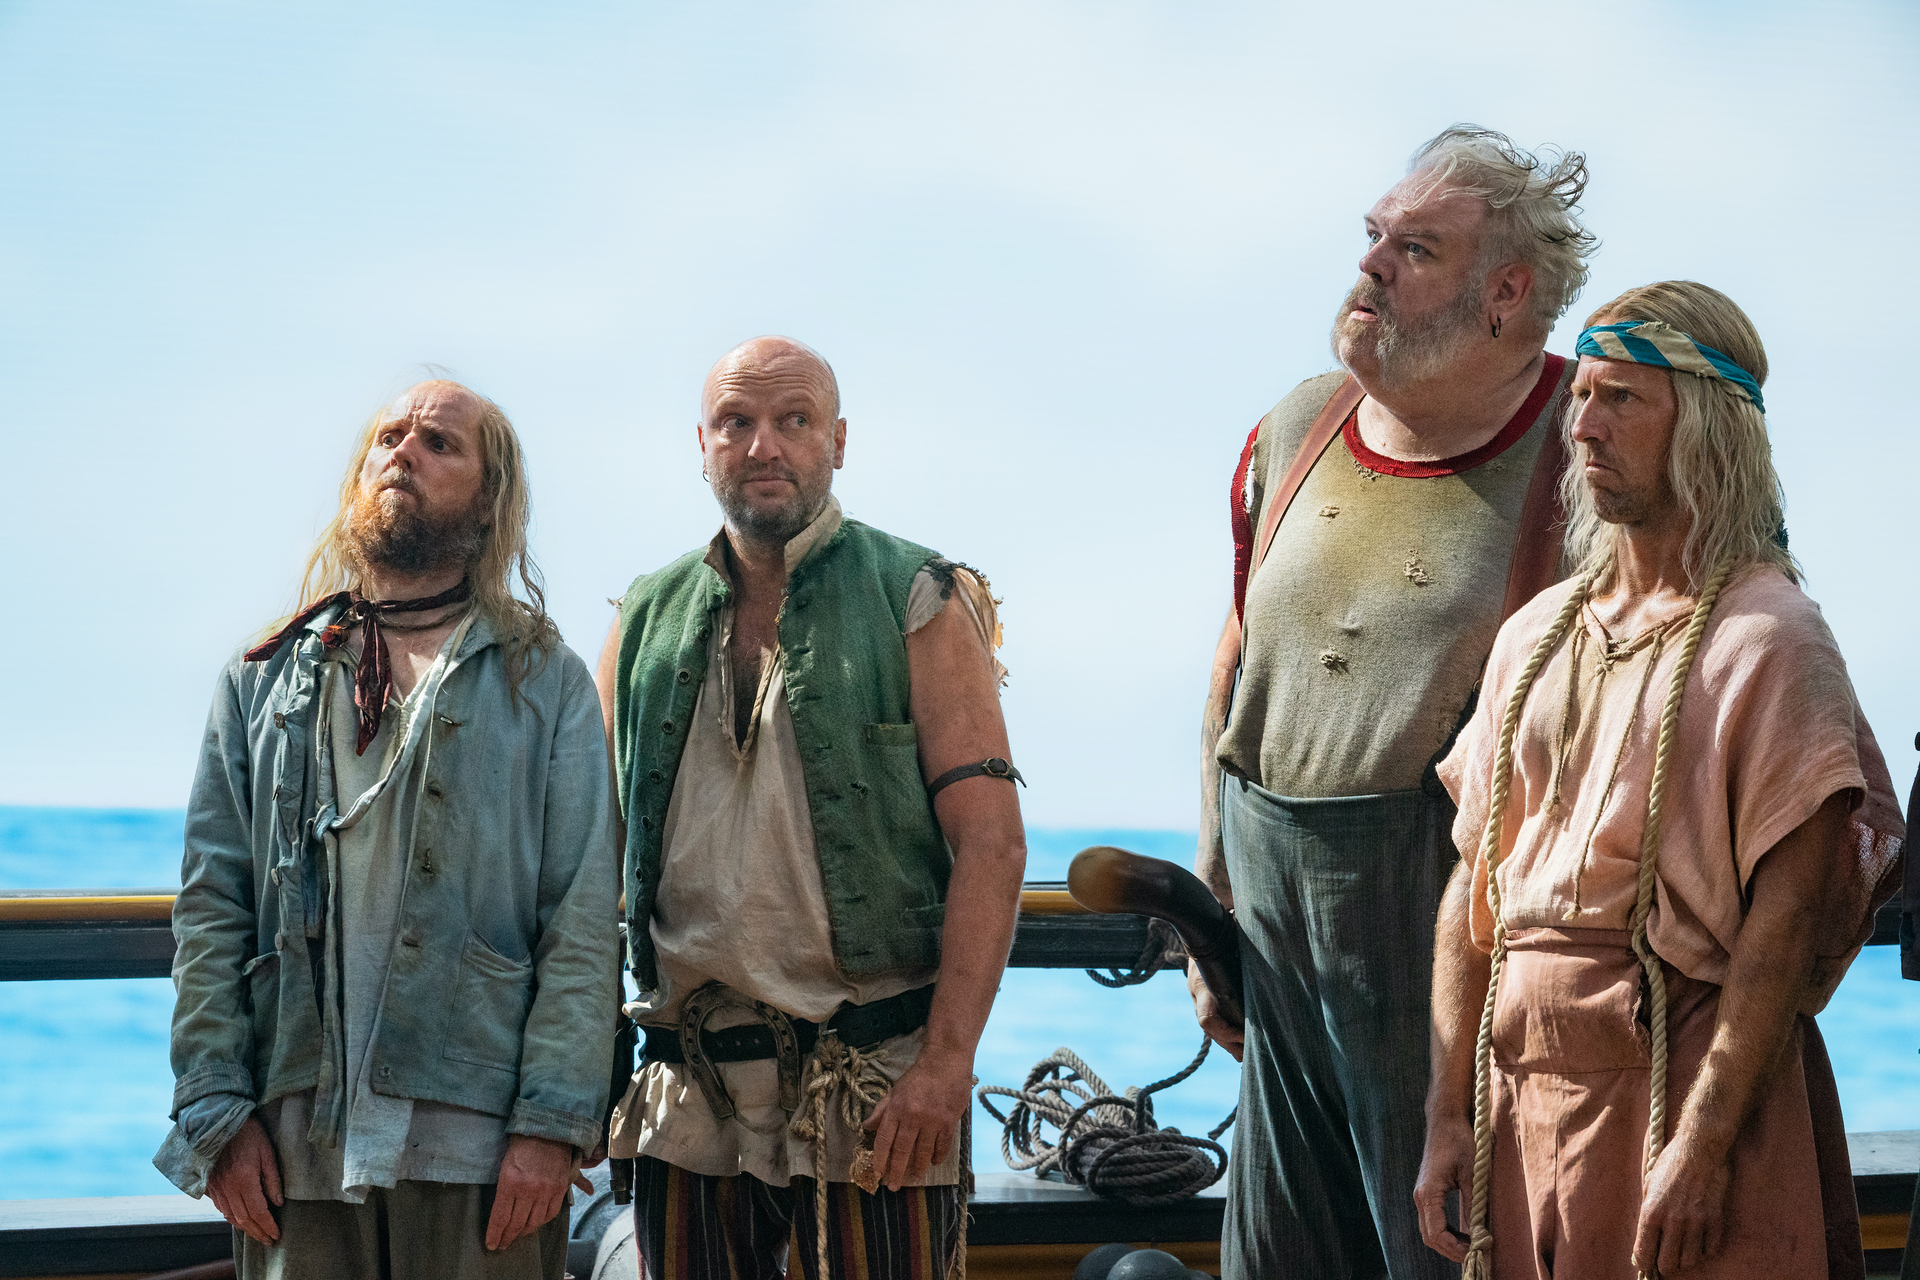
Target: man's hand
1223 1033
913 1128
1683 1216
245 1180
1446 1165
533 1186
594 1159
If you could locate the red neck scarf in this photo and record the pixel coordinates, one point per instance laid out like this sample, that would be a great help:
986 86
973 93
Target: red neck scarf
373 678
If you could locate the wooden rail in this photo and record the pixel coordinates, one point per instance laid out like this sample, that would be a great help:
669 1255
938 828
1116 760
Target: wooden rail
125 933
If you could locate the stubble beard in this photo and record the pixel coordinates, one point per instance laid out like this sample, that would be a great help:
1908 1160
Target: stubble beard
1620 506
387 531
771 526
1405 351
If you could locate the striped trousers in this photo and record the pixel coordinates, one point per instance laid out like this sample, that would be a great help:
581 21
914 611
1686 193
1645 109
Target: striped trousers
692 1227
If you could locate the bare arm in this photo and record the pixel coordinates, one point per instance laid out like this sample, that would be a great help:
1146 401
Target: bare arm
956 707
1210 861
1683 1216
1461 972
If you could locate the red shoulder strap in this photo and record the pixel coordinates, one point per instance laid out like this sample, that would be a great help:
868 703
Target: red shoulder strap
1319 436
1539 543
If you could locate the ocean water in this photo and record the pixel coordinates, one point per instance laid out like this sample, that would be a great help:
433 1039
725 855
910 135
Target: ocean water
85 1084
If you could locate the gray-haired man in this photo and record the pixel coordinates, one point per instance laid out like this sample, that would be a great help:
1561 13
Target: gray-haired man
1386 519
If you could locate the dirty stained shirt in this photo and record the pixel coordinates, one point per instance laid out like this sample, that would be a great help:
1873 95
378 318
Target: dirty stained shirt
1369 620
741 902
383 1139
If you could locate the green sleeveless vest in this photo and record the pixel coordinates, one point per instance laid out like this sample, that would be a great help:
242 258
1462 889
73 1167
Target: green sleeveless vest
883 860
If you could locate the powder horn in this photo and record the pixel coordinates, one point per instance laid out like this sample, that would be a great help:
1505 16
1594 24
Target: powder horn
1110 881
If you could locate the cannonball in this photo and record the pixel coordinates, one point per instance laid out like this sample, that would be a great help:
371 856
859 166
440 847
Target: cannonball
1098 1264
1148 1264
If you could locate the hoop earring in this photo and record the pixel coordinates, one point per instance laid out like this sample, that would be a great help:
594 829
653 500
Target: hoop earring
1496 326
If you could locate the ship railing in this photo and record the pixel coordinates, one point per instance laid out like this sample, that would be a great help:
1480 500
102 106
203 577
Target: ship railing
1019 1226
126 933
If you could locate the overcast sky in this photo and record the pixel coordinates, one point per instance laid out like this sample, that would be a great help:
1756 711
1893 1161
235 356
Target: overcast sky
1062 255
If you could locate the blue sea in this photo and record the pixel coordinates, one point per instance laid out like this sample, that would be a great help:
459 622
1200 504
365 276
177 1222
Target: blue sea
84 1081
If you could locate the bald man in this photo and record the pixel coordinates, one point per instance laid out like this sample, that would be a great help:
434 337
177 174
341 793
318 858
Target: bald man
394 931
823 860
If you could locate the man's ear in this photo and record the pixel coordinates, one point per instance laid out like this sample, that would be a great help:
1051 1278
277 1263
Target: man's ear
1509 288
839 444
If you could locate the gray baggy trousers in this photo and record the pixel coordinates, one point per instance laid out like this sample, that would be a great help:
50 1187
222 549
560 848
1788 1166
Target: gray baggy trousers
1337 899
412 1231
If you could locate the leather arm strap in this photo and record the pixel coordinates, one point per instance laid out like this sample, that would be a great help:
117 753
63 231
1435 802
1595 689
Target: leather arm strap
992 767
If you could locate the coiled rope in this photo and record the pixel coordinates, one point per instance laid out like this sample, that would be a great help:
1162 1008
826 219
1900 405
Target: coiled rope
1107 1143
1479 1263
1163 950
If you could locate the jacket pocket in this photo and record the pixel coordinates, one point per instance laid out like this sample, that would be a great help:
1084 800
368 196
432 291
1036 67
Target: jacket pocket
490 1002
889 773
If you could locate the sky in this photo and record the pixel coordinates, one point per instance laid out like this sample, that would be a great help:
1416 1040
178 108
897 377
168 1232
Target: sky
1063 256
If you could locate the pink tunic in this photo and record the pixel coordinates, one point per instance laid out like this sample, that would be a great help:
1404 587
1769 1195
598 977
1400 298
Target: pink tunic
1769 729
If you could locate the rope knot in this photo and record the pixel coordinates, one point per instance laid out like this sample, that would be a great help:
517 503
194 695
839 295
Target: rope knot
863 1085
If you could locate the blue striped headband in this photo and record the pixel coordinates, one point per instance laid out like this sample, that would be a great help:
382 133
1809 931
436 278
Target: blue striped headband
1657 343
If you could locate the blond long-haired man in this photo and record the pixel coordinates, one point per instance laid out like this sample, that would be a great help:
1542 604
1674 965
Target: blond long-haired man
395 939
1677 827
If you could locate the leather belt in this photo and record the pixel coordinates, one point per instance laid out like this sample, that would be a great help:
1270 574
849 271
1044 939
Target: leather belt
775 1035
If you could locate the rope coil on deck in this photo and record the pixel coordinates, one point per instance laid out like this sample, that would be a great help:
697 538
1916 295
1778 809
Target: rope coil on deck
1107 1143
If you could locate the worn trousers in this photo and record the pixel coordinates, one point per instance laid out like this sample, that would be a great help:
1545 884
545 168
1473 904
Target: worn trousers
1336 901
1571 1051
412 1231
691 1226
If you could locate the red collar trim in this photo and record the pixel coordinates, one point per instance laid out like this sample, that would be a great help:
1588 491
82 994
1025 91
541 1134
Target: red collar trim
1509 435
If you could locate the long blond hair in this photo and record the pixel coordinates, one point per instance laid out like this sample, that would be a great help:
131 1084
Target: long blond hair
1720 463
519 620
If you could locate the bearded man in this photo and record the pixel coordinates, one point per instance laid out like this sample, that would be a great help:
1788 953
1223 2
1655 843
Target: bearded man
823 860
395 932
1385 519
1682 826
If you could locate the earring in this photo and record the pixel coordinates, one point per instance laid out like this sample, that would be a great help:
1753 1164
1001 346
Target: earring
1496 326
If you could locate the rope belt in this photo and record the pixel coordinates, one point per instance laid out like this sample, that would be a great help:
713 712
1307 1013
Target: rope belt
1479 1264
838 1053
785 1039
